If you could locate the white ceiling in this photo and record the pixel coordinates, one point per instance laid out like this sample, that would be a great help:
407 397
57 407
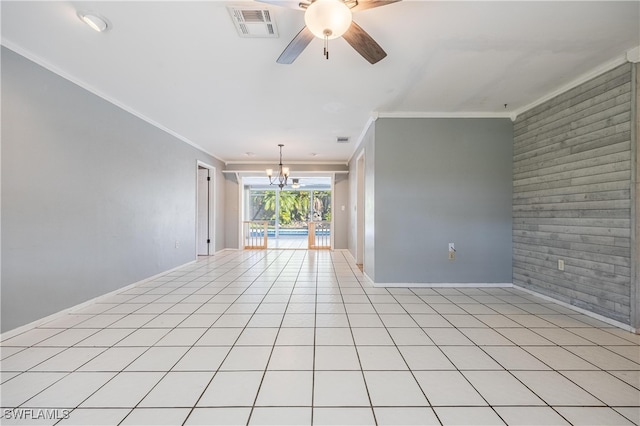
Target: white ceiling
182 66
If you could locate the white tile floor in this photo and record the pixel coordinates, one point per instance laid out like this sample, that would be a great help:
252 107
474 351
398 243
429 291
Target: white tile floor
298 337
291 242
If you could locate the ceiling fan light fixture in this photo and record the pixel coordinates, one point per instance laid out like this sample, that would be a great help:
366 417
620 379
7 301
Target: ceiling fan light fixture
328 19
94 21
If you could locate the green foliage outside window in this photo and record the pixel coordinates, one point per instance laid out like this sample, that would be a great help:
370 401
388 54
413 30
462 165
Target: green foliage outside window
296 207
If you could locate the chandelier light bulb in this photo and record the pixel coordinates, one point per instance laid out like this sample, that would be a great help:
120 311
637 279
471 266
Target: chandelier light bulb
328 19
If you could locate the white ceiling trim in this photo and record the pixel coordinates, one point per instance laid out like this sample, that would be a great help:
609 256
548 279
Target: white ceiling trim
289 163
305 172
38 60
365 129
633 55
418 114
601 69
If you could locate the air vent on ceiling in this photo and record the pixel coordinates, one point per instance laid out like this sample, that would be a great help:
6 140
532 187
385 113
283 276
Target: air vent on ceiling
342 139
251 22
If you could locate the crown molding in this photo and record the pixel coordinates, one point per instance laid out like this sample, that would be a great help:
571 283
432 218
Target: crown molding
89 88
418 114
289 163
594 72
633 55
303 172
372 119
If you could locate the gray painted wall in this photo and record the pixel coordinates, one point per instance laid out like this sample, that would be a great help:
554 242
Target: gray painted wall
439 181
353 197
220 218
232 211
93 198
572 196
341 217
370 203
364 150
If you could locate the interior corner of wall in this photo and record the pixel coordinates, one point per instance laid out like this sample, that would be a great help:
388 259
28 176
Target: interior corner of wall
633 55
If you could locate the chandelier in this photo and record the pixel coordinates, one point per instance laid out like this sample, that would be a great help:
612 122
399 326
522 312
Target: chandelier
283 173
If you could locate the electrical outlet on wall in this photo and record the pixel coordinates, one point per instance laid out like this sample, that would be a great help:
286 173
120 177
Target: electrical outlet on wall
560 265
177 244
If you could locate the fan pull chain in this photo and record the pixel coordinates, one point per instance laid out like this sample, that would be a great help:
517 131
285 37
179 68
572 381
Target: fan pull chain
326 46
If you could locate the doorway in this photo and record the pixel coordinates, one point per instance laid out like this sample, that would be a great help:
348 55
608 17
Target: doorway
205 211
287 215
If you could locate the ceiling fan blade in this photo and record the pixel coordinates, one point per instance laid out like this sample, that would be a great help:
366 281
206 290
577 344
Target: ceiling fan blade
369 4
289 4
364 43
295 48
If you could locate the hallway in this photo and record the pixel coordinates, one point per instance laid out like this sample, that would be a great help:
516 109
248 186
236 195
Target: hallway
300 337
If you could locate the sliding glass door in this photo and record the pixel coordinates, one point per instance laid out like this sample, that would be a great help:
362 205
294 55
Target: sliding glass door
288 213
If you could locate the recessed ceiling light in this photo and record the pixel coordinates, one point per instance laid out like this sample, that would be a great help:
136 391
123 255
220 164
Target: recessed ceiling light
96 22
249 154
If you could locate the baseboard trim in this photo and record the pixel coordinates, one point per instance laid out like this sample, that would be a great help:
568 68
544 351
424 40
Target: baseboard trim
19 330
590 314
593 315
443 285
227 249
368 278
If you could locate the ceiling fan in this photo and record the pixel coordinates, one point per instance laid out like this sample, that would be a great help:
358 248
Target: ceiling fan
329 19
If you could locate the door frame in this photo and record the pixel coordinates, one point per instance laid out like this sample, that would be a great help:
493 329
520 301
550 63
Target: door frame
359 207
212 208
333 211
242 201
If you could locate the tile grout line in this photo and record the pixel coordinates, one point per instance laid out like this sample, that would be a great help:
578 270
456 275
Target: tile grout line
559 321
266 367
132 361
226 356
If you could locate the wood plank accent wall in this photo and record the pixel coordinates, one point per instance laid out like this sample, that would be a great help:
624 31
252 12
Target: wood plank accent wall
572 196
